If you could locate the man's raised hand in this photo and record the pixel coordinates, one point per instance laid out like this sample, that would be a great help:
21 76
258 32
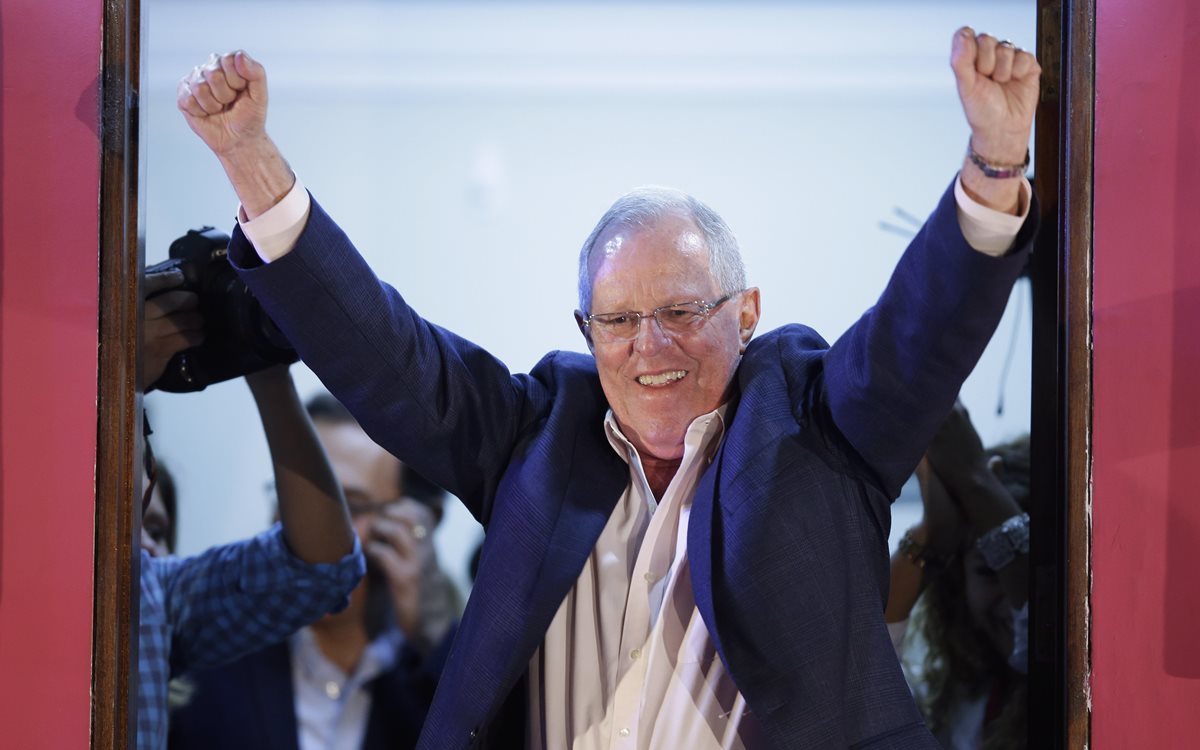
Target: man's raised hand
225 101
998 87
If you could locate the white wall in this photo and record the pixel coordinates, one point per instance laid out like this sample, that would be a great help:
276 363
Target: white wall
469 148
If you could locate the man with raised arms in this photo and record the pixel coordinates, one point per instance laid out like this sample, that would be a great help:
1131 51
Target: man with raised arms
686 529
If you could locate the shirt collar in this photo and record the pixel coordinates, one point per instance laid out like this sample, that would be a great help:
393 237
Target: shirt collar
379 656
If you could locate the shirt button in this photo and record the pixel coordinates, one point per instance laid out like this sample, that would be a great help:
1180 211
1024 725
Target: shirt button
624 732
649 577
333 690
634 654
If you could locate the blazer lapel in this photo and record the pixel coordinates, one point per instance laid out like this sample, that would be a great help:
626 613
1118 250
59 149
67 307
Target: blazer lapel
270 676
547 531
759 413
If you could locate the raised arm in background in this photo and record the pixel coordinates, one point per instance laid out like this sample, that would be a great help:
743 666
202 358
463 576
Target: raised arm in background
312 510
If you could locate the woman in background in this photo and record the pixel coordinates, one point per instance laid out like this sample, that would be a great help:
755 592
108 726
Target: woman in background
958 607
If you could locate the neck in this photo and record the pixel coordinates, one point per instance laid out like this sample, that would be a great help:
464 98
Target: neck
342 640
659 473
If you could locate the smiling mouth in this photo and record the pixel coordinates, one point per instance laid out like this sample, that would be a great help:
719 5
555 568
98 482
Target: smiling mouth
662 378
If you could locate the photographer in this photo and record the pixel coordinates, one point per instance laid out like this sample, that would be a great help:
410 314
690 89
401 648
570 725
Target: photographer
216 606
362 678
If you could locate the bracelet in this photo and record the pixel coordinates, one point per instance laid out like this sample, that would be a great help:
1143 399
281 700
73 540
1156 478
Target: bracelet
1001 545
996 171
919 555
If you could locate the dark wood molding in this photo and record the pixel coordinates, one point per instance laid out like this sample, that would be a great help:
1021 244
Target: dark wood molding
118 513
1045 715
1060 652
1076 230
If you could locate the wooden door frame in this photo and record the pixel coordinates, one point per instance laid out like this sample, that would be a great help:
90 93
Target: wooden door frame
1061 396
1060 427
119 408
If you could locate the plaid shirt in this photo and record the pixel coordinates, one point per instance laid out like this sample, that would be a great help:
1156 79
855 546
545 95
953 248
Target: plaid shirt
228 601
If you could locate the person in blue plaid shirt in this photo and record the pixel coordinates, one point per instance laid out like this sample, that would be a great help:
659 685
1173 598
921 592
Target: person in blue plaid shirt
233 599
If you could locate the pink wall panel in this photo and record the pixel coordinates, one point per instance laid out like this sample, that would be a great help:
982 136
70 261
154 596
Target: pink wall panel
49 190
1146 513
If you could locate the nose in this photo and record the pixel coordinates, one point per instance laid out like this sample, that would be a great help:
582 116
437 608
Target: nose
651 337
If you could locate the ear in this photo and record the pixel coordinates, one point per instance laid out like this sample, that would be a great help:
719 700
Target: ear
748 315
995 465
579 318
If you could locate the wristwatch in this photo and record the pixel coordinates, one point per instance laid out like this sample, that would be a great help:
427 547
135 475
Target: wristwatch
1001 545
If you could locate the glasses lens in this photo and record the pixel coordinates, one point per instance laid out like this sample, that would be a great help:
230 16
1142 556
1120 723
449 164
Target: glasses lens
360 508
615 326
680 318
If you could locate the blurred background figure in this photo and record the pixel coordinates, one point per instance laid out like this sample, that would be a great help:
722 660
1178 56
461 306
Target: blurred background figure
958 603
216 606
158 519
361 678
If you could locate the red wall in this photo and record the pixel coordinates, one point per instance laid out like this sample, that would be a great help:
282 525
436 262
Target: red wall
1146 512
49 192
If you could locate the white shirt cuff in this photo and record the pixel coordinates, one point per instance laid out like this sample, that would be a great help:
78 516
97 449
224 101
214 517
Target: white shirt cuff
274 233
987 230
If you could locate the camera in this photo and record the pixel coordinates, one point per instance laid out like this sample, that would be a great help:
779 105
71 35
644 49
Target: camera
239 337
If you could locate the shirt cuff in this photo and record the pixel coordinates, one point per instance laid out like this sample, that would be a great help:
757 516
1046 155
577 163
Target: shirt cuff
275 232
271 566
989 231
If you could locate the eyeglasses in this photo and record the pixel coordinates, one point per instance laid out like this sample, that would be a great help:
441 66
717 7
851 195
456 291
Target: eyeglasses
360 504
678 319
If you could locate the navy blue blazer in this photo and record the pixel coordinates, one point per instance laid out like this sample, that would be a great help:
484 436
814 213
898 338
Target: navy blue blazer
249 704
788 533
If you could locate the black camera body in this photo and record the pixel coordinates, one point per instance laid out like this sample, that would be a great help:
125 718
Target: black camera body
239 337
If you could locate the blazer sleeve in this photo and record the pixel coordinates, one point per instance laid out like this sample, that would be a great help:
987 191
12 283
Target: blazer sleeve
435 400
893 376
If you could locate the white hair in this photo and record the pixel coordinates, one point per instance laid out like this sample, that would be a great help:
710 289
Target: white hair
642 208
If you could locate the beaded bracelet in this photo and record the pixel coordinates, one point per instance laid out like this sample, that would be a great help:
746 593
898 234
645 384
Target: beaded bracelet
996 171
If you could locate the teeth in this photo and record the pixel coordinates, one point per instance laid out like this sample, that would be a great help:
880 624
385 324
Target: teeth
661 378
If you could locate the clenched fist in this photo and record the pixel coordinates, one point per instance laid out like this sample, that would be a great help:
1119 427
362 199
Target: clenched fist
998 87
224 102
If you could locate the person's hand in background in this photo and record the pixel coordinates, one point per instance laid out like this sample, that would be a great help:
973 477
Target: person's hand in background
171 322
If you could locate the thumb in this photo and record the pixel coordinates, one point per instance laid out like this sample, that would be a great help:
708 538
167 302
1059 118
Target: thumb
963 51
255 74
